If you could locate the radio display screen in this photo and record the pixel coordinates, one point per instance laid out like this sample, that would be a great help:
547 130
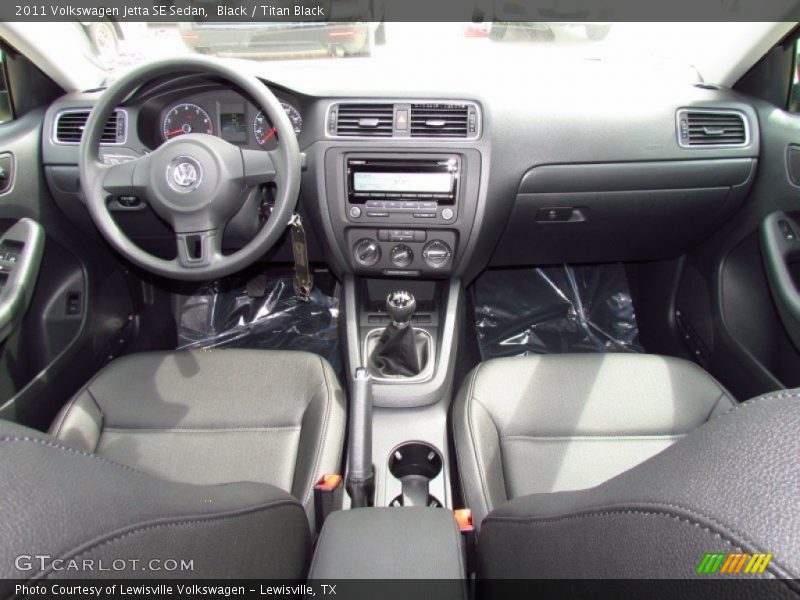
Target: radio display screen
373 181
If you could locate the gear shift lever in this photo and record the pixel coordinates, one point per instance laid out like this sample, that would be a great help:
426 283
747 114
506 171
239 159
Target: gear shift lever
396 354
401 307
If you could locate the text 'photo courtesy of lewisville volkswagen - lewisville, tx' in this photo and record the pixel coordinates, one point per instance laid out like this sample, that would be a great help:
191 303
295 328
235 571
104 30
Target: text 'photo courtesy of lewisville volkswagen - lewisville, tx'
400 299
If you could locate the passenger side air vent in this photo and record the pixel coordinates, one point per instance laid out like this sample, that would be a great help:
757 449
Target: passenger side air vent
704 128
70 126
364 120
442 120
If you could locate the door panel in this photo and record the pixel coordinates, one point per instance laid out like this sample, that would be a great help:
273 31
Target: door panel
81 306
748 322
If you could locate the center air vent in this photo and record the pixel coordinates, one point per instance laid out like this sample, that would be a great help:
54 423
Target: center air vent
441 120
403 119
70 126
365 120
704 128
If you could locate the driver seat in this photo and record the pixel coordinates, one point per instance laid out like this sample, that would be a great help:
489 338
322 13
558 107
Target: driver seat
216 452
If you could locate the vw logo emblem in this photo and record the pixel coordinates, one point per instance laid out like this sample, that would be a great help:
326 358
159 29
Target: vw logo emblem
184 174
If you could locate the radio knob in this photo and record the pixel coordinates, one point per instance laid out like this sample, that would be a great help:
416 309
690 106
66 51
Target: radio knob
436 254
367 252
402 255
355 212
448 214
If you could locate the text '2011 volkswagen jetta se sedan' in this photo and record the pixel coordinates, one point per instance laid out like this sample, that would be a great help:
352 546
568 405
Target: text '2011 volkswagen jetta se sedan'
366 305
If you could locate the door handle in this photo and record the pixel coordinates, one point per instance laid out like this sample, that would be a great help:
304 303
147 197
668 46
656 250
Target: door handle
781 250
21 249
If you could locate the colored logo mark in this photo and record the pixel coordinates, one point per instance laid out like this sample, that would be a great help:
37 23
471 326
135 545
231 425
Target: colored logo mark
733 563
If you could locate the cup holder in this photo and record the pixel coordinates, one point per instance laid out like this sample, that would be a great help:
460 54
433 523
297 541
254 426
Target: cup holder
415 464
433 502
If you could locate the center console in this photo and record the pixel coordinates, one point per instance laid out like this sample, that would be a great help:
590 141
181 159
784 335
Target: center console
398 193
401 221
402 215
396 543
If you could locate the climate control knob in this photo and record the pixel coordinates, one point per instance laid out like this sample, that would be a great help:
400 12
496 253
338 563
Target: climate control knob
402 255
436 254
367 252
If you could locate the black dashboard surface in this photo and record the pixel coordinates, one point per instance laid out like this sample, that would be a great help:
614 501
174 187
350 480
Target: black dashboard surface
582 115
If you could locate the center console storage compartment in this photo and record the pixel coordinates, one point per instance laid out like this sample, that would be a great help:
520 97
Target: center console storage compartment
391 543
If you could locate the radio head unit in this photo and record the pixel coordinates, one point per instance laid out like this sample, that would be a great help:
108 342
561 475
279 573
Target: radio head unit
409 179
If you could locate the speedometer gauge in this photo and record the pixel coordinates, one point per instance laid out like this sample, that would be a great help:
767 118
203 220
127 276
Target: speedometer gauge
185 118
265 132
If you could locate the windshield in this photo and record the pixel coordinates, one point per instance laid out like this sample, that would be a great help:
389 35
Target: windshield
690 51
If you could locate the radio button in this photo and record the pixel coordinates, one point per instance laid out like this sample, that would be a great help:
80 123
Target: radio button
392 204
355 212
409 195
412 205
418 215
377 213
374 204
424 195
441 195
393 195
428 205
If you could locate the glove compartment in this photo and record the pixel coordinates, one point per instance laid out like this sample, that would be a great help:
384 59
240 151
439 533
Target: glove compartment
602 212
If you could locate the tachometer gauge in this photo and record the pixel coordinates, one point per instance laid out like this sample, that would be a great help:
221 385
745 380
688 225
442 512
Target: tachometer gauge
185 118
265 132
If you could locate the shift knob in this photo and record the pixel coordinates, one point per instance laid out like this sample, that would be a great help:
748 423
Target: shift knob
401 306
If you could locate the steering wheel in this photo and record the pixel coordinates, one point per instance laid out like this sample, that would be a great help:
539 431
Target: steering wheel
195 182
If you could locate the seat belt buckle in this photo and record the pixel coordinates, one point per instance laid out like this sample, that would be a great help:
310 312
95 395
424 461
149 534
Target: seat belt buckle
327 497
464 520
465 525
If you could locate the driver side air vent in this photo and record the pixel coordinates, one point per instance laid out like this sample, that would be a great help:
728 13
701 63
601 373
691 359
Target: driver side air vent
365 120
70 125
712 128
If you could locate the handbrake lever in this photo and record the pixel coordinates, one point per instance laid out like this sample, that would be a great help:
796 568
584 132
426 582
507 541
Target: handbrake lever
360 481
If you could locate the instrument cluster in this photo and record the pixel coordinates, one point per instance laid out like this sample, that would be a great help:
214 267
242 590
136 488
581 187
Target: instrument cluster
227 115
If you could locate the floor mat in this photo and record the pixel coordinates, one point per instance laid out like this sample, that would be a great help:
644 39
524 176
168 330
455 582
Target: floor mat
554 310
262 313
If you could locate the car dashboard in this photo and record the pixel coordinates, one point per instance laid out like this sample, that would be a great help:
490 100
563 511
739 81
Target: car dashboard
441 184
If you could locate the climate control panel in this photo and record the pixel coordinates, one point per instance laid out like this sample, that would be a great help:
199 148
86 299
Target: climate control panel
402 252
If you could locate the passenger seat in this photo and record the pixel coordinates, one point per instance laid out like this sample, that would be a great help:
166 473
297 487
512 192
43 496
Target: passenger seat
542 424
